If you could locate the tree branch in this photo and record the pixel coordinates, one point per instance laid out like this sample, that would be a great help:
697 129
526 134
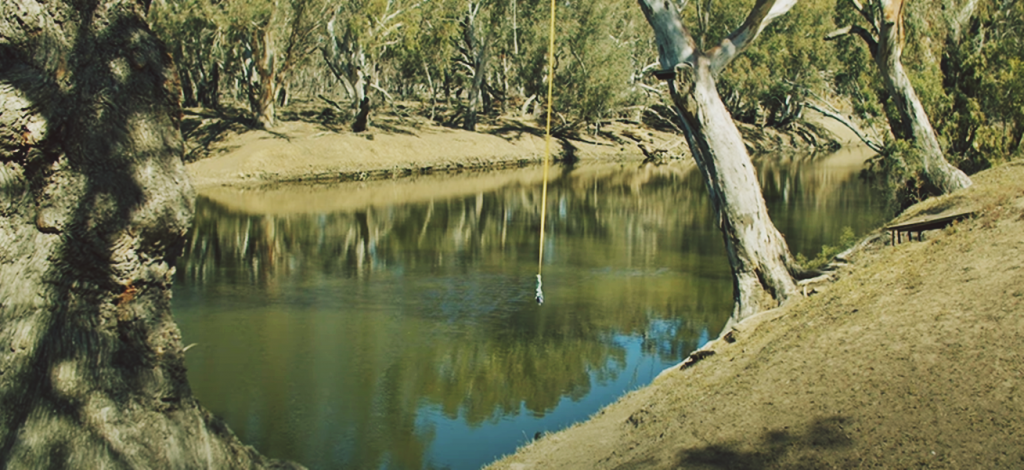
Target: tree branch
760 17
859 7
859 31
675 45
871 143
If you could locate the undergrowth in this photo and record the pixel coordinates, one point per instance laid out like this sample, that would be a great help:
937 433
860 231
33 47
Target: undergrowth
846 239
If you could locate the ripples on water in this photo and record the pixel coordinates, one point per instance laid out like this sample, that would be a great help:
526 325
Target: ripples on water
392 324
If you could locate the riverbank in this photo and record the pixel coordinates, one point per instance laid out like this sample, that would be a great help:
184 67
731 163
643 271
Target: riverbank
912 358
308 151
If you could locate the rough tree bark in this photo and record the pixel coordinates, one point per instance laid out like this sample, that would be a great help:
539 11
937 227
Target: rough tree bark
762 266
266 77
94 204
885 41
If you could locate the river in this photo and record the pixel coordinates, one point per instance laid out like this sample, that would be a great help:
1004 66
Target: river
392 324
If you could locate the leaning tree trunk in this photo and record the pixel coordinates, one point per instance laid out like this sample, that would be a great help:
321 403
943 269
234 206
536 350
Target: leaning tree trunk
93 209
762 265
885 42
914 119
761 262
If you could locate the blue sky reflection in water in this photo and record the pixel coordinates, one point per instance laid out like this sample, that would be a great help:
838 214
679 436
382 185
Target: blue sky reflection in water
401 332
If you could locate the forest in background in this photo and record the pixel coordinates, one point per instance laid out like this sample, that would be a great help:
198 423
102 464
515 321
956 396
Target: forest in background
457 62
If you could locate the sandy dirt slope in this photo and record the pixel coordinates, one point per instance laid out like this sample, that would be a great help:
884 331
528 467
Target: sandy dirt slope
914 357
302 151
306 151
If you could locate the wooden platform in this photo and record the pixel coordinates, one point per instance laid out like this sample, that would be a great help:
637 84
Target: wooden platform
921 224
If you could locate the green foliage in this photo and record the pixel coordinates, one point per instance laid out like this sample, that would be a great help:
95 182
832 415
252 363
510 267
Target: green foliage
899 170
964 60
190 28
846 239
966 64
983 80
593 58
767 83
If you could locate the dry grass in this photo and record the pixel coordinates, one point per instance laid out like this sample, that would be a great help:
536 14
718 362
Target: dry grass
913 358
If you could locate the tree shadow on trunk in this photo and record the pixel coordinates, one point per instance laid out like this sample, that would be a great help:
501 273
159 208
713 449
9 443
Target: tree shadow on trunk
98 208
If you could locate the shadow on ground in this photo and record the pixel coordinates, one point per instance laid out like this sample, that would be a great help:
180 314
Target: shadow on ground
201 128
776 448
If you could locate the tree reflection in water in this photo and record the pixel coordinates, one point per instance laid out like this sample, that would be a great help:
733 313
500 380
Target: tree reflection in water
354 338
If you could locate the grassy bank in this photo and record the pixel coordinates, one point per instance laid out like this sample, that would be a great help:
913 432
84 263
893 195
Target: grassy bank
913 357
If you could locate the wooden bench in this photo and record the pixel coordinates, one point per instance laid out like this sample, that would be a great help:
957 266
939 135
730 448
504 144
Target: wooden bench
921 224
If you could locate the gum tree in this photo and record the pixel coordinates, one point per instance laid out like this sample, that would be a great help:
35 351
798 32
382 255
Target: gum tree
271 37
763 268
94 205
884 38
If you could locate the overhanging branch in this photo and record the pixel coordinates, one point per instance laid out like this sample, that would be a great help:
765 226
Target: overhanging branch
760 17
871 143
867 15
864 34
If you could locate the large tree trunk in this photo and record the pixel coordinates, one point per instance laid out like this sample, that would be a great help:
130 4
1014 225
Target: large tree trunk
762 265
475 98
362 100
914 119
263 92
93 209
885 41
209 93
362 119
346 59
760 259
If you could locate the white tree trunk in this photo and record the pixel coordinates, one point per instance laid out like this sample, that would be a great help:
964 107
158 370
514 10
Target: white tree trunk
760 259
762 265
915 122
885 41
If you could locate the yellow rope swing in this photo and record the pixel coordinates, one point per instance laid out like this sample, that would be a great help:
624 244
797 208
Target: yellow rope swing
547 154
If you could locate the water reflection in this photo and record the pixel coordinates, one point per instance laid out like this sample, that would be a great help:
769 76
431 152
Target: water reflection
404 335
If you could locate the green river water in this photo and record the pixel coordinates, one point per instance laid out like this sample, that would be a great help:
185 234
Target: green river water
392 324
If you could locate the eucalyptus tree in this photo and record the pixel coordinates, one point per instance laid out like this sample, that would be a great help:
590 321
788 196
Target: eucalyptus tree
762 267
358 36
196 41
425 56
594 58
1003 86
885 38
473 53
595 45
94 207
270 38
770 83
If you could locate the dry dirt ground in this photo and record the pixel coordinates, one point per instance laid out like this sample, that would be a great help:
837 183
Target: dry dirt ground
234 155
914 357
304 151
